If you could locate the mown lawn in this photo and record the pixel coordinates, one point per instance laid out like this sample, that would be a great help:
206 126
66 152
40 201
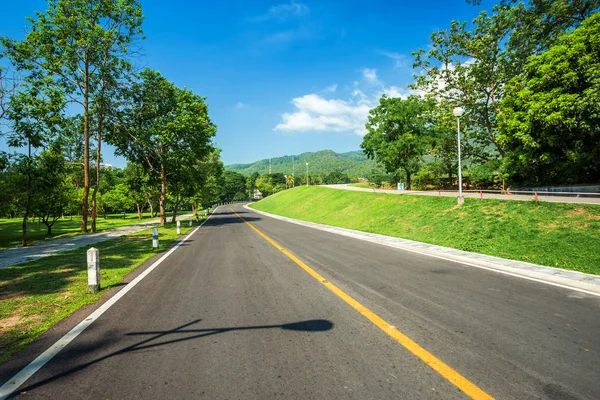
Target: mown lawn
37 295
10 228
552 234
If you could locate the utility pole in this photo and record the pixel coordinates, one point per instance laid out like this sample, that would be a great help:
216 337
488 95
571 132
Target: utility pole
269 166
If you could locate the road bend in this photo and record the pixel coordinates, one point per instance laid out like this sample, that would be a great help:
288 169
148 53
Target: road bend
255 308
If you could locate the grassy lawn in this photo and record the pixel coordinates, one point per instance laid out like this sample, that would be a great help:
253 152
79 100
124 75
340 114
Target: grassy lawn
37 295
552 234
10 229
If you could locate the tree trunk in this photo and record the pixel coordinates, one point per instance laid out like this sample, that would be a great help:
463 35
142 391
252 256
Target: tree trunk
151 208
195 209
98 159
163 195
97 185
86 151
139 210
175 207
28 204
408 179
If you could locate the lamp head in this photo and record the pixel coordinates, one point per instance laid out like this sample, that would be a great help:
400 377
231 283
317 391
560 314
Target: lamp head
458 112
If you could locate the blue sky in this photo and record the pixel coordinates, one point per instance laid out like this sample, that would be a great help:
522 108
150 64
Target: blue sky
281 77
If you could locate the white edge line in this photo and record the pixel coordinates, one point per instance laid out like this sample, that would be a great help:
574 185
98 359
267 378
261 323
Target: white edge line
20 378
407 248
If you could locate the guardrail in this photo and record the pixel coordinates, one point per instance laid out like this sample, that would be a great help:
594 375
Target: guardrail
535 194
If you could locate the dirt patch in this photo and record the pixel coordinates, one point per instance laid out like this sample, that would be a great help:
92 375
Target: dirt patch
10 323
581 212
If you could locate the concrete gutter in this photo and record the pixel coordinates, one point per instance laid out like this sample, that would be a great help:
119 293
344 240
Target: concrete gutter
574 280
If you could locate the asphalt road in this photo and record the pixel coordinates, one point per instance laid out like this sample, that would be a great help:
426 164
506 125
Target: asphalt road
229 316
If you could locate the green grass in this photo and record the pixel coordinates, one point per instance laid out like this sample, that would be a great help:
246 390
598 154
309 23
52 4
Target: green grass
37 295
10 229
552 234
361 185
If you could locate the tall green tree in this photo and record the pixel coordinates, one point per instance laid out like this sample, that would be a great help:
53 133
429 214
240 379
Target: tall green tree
550 121
399 134
162 128
34 115
81 45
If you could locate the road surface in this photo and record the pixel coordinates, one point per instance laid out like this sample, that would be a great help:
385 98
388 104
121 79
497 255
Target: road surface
592 198
230 315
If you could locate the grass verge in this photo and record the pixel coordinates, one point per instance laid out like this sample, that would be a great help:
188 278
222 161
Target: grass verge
10 228
360 185
558 235
37 295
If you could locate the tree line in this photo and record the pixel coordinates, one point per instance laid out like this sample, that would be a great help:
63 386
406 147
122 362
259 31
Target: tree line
71 85
526 75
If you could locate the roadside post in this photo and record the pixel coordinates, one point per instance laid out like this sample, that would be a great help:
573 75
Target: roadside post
179 227
155 238
93 269
190 221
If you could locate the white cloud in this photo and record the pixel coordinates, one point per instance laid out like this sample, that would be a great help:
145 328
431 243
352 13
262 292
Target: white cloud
370 75
399 59
239 104
283 12
314 112
331 88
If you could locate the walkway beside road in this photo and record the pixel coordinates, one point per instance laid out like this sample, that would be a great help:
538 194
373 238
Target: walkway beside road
22 255
543 196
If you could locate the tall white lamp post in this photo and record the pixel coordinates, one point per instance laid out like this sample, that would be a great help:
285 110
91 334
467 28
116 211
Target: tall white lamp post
458 112
306 174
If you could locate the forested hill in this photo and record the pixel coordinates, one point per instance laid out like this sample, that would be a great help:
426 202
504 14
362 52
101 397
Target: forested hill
354 164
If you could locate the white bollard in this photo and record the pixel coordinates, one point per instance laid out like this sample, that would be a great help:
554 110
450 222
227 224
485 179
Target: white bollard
190 221
155 238
93 268
179 227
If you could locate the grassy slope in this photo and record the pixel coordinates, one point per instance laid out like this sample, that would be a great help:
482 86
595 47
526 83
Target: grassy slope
10 229
559 235
37 295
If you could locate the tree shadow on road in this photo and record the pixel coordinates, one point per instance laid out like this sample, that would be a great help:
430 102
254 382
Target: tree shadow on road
180 334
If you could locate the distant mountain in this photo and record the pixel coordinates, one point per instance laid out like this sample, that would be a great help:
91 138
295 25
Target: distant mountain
354 164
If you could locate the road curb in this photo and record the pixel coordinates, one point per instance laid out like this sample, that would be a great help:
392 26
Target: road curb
574 280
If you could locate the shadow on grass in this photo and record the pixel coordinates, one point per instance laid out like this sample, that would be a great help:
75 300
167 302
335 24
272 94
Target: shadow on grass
180 334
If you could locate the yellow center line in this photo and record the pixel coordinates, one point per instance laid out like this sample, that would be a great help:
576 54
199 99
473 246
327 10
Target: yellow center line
434 363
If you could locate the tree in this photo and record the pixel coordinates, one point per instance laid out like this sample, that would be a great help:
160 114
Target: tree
138 185
233 183
52 194
550 122
34 115
336 178
81 45
398 134
163 127
118 198
471 65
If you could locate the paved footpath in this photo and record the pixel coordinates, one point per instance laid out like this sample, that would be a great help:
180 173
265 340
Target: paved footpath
473 195
273 310
22 255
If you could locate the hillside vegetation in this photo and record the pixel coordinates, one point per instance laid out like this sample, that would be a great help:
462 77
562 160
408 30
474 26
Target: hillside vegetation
552 234
354 164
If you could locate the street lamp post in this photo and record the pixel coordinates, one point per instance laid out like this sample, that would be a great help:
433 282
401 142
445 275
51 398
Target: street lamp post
458 112
306 174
